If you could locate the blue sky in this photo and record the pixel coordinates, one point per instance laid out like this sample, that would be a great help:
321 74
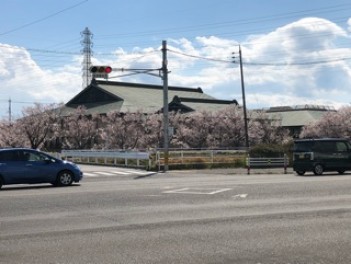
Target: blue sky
294 52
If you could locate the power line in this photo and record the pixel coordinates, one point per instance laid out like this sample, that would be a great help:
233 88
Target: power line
23 102
39 50
256 20
42 19
297 63
198 57
263 63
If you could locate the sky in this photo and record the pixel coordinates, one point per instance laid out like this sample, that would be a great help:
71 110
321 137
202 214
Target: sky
294 52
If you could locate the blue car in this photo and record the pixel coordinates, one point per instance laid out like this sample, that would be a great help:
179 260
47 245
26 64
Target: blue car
29 166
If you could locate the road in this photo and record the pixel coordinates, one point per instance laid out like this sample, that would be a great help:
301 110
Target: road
179 217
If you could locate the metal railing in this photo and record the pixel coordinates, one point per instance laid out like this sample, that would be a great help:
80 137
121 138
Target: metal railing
262 162
154 159
196 157
177 158
109 157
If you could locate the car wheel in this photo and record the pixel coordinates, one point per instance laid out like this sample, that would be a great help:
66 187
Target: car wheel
341 171
1 182
64 178
300 172
318 169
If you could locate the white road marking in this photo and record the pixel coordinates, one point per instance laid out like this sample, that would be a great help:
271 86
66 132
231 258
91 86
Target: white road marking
139 172
208 191
220 190
114 173
88 174
121 172
103 173
243 195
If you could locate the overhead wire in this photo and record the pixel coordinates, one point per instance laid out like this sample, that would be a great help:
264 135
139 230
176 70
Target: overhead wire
198 57
43 18
264 64
329 9
207 26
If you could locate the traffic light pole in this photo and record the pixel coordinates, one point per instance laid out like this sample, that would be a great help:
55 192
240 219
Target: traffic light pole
163 73
165 104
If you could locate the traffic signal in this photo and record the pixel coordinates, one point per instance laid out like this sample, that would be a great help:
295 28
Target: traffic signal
101 69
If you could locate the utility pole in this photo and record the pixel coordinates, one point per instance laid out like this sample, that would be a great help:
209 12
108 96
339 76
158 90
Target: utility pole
244 100
10 114
165 104
163 73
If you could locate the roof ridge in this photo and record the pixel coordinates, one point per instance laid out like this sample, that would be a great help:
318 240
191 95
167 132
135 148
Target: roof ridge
148 86
219 101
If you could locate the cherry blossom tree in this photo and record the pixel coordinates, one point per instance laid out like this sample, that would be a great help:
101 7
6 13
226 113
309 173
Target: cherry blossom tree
37 123
123 131
152 136
229 128
332 124
194 130
267 130
81 130
45 126
11 135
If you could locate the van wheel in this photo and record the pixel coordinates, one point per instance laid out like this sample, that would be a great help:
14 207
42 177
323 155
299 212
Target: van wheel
318 169
341 171
300 172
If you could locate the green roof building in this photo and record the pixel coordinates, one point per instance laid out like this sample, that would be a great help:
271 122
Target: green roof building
295 117
101 97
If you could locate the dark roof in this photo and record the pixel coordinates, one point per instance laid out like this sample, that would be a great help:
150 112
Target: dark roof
104 96
185 104
319 139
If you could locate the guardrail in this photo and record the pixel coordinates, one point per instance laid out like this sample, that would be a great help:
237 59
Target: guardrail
154 160
176 159
109 157
252 162
195 158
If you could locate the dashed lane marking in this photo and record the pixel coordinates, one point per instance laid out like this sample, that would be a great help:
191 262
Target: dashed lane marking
114 173
208 191
138 172
242 195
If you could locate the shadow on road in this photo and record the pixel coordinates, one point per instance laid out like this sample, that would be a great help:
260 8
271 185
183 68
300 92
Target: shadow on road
145 176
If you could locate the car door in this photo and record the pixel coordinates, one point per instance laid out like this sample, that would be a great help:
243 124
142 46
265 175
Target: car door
12 167
40 168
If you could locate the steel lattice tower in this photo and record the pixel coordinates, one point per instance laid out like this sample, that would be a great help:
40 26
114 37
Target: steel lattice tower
87 53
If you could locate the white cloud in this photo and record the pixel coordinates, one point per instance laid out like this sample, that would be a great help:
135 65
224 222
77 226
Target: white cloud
294 56
282 67
23 81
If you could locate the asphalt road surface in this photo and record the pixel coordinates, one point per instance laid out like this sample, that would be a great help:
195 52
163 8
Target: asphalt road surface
179 217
